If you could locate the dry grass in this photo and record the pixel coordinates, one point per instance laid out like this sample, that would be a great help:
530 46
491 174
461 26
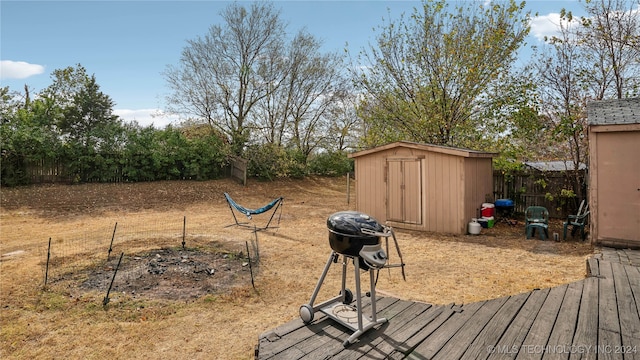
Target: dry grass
54 323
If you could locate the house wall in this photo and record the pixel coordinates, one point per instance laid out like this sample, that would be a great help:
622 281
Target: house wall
451 191
614 189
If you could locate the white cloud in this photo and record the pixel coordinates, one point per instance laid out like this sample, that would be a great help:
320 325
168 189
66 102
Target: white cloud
548 25
145 117
19 69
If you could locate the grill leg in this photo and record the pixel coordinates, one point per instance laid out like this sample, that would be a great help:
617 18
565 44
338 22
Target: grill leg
356 262
344 278
373 296
321 280
375 321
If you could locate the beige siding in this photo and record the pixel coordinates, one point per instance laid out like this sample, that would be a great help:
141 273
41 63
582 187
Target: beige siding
478 186
443 185
615 186
395 180
404 189
423 188
370 186
413 204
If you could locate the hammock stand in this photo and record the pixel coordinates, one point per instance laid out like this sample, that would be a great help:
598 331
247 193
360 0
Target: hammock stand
275 205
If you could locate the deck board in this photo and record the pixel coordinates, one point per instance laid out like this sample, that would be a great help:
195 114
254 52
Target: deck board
561 337
488 338
628 312
586 333
608 320
425 324
633 273
596 318
434 342
403 331
432 325
511 341
543 325
457 346
371 339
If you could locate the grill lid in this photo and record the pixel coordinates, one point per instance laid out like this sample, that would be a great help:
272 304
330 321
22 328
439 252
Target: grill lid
351 223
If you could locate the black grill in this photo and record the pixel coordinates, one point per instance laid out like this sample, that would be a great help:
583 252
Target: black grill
346 234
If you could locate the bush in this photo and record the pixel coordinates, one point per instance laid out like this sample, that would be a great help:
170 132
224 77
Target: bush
331 164
269 162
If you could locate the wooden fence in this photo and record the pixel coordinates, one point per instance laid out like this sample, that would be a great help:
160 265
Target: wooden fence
238 170
525 188
47 171
535 188
56 171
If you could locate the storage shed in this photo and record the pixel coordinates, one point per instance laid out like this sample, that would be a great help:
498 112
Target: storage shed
423 187
614 172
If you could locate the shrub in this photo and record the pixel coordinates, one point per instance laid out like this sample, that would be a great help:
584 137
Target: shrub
269 162
331 164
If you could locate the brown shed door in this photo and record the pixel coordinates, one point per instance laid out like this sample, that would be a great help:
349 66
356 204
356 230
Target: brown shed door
404 190
618 186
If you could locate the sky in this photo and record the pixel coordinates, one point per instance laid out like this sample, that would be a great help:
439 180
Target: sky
128 44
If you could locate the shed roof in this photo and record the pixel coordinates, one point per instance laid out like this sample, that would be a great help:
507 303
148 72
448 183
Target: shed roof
426 147
554 165
614 112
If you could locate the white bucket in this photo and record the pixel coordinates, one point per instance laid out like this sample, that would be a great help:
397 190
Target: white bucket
474 227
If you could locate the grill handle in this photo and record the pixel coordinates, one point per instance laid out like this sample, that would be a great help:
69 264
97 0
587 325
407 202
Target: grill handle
387 232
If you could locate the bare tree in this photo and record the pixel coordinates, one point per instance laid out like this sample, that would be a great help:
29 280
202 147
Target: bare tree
345 126
314 80
224 74
611 37
559 70
594 57
295 111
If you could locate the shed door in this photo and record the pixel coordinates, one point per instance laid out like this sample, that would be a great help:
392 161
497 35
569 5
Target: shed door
404 190
618 186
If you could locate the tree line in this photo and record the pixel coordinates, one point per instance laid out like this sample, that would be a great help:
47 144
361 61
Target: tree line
71 125
446 74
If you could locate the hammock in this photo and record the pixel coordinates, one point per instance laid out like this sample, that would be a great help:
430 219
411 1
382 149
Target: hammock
275 205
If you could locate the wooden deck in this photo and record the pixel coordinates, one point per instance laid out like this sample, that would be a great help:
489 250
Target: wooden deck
595 318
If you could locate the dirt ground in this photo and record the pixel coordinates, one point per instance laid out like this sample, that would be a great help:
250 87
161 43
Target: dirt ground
198 302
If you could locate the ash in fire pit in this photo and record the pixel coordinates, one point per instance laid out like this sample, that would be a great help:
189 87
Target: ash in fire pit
173 274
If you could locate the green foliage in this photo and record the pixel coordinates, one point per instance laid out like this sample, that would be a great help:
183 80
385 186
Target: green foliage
138 152
208 157
541 182
567 194
91 131
507 164
431 72
27 134
330 164
71 125
549 197
269 162
169 154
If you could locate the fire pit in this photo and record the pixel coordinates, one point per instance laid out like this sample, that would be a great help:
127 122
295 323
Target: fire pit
355 236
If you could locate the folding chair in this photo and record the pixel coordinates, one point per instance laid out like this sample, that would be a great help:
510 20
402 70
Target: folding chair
275 205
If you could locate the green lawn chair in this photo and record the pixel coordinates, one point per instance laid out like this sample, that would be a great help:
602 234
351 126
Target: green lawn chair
577 223
537 219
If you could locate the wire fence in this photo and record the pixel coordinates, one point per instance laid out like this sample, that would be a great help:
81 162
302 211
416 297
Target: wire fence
99 248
